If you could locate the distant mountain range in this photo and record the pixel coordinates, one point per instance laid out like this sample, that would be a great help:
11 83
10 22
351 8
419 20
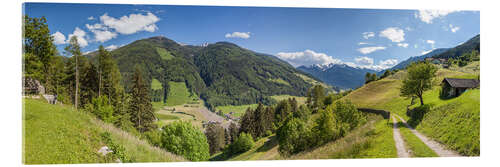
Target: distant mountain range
339 75
347 77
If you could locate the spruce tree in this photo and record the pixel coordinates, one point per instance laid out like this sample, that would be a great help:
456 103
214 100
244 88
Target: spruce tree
141 109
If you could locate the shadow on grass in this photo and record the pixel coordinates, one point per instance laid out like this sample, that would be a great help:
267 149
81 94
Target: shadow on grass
417 114
269 144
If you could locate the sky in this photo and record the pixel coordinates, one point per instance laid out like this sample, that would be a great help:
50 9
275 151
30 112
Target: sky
367 38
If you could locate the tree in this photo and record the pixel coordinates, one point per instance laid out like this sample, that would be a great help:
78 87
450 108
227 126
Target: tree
325 129
74 49
215 137
233 132
316 96
182 138
293 136
242 144
37 42
347 113
419 79
141 109
369 77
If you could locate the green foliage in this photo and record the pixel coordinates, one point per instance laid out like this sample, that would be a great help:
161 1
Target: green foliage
182 138
38 48
243 143
215 137
369 77
418 80
156 91
153 137
347 113
118 150
141 109
315 97
294 136
101 107
326 128
164 54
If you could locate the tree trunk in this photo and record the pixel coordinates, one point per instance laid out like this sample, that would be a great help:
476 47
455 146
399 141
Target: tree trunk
421 100
77 81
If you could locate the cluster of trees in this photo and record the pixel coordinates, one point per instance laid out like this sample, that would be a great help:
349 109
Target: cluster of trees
96 86
369 77
464 59
290 122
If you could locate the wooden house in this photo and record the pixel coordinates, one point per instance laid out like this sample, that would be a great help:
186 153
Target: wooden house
453 87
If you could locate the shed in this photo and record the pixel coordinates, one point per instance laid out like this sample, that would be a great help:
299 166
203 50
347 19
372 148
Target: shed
453 87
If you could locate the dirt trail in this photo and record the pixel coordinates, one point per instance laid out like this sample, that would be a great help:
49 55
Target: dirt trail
398 140
435 146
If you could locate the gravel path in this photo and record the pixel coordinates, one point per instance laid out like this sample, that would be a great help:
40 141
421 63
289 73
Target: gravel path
435 146
398 140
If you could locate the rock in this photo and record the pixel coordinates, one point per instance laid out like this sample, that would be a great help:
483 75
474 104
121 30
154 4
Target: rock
118 160
105 150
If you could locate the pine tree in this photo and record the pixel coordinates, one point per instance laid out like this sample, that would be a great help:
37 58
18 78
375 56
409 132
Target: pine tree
141 109
74 49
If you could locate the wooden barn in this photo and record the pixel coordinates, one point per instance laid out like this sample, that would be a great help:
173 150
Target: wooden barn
453 87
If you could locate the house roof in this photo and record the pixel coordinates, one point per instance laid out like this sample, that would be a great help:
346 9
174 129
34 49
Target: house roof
462 83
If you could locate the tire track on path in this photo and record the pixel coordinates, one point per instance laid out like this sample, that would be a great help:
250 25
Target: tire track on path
398 140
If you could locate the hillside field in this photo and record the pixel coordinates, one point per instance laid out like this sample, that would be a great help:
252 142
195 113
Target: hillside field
56 134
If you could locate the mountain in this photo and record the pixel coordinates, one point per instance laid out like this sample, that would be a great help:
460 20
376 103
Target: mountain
466 47
407 62
339 75
221 73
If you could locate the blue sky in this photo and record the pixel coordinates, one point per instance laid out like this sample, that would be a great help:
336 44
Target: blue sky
367 38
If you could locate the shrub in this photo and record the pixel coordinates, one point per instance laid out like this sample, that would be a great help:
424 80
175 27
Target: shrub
326 128
101 108
242 144
347 113
293 137
153 137
182 138
118 150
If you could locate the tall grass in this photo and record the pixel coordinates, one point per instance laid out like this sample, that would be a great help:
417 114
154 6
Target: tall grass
55 134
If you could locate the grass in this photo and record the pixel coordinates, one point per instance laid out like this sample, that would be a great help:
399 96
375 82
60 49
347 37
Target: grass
265 149
55 134
367 141
300 100
164 54
312 81
179 94
155 84
166 117
417 147
238 111
453 122
280 81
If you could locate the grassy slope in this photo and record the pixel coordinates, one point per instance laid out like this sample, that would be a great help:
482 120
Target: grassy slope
164 54
59 134
155 84
367 141
449 127
237 110
178 94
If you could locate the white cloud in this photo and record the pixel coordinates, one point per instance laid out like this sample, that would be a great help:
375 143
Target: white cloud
394 34
363 43
426 51
59 38
404 45
428 15
454 28
91 18
307 57
244 35
367 50
415 46
432 42
364 60
132 23
80 36
111 47
367 35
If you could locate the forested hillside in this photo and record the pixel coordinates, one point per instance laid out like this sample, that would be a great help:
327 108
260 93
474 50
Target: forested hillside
221 73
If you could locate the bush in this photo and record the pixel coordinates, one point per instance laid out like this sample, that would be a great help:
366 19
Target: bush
153 137
326 129
347 113
118 150
242 144
101 107
182 138
293 137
